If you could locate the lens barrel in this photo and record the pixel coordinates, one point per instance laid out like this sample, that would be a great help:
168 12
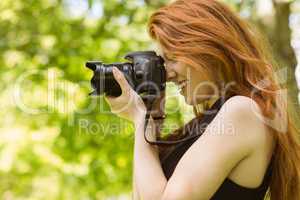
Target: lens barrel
145 73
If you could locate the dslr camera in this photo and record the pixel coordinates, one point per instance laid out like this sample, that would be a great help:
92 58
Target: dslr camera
144 71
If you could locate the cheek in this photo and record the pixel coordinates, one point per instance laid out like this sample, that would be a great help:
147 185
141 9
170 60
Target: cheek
199 83
198 89
195 85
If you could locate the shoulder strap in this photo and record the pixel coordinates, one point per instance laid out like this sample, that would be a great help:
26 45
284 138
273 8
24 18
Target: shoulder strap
197 126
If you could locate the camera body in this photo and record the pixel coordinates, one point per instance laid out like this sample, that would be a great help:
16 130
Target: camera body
145 73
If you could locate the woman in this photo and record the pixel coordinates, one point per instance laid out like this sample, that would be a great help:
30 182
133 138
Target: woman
256 148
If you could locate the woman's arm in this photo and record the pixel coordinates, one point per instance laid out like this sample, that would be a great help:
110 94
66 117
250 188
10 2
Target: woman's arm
148 174
206 164
158 110
135 193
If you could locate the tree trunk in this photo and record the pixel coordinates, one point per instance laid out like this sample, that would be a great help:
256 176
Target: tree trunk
285 55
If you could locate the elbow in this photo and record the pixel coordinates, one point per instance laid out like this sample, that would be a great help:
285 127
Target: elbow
151 196
177 192
153 193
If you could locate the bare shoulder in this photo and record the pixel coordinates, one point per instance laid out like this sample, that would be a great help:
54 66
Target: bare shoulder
252 134
242 119
242 105
229 140
243 109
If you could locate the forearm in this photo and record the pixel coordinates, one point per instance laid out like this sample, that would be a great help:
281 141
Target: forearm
148 173
135 193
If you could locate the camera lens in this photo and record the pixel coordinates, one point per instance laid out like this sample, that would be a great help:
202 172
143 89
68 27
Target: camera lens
103 80
144 72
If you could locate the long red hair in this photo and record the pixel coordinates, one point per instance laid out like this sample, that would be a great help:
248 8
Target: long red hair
206 34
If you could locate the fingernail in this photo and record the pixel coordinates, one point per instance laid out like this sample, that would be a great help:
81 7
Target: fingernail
115 71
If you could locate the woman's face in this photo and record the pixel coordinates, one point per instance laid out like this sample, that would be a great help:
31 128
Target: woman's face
194 85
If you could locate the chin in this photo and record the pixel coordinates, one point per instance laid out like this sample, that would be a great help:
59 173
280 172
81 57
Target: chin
191 102
188 102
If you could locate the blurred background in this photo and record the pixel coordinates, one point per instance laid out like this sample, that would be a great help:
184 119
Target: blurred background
58 143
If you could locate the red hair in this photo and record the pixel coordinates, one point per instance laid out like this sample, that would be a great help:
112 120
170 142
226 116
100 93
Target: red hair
205 34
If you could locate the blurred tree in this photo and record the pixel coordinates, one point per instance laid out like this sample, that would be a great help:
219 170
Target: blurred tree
276 26
55 141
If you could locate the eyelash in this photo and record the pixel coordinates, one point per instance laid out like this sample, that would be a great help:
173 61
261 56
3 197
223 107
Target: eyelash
170 61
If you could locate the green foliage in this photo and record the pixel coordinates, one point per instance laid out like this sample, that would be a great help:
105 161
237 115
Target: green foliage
56 142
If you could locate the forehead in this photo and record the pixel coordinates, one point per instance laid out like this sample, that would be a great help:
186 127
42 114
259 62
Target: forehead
160 51
158 48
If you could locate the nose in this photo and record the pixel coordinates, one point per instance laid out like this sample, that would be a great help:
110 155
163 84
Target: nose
171 75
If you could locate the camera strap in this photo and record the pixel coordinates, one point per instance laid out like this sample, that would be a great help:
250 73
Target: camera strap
216 106
149 103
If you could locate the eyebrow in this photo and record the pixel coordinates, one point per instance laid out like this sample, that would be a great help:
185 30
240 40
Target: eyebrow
168 57
164 55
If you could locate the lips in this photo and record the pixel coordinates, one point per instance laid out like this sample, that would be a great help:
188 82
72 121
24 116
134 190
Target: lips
182 84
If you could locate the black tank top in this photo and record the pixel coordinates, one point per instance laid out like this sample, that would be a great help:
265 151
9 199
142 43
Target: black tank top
229 190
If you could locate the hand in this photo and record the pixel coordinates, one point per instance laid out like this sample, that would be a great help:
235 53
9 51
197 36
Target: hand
129 104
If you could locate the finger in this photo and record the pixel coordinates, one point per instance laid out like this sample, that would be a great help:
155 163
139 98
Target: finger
109 98
112 100
116 101
120 78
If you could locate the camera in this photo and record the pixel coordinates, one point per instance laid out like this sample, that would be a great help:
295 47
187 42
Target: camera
145 73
